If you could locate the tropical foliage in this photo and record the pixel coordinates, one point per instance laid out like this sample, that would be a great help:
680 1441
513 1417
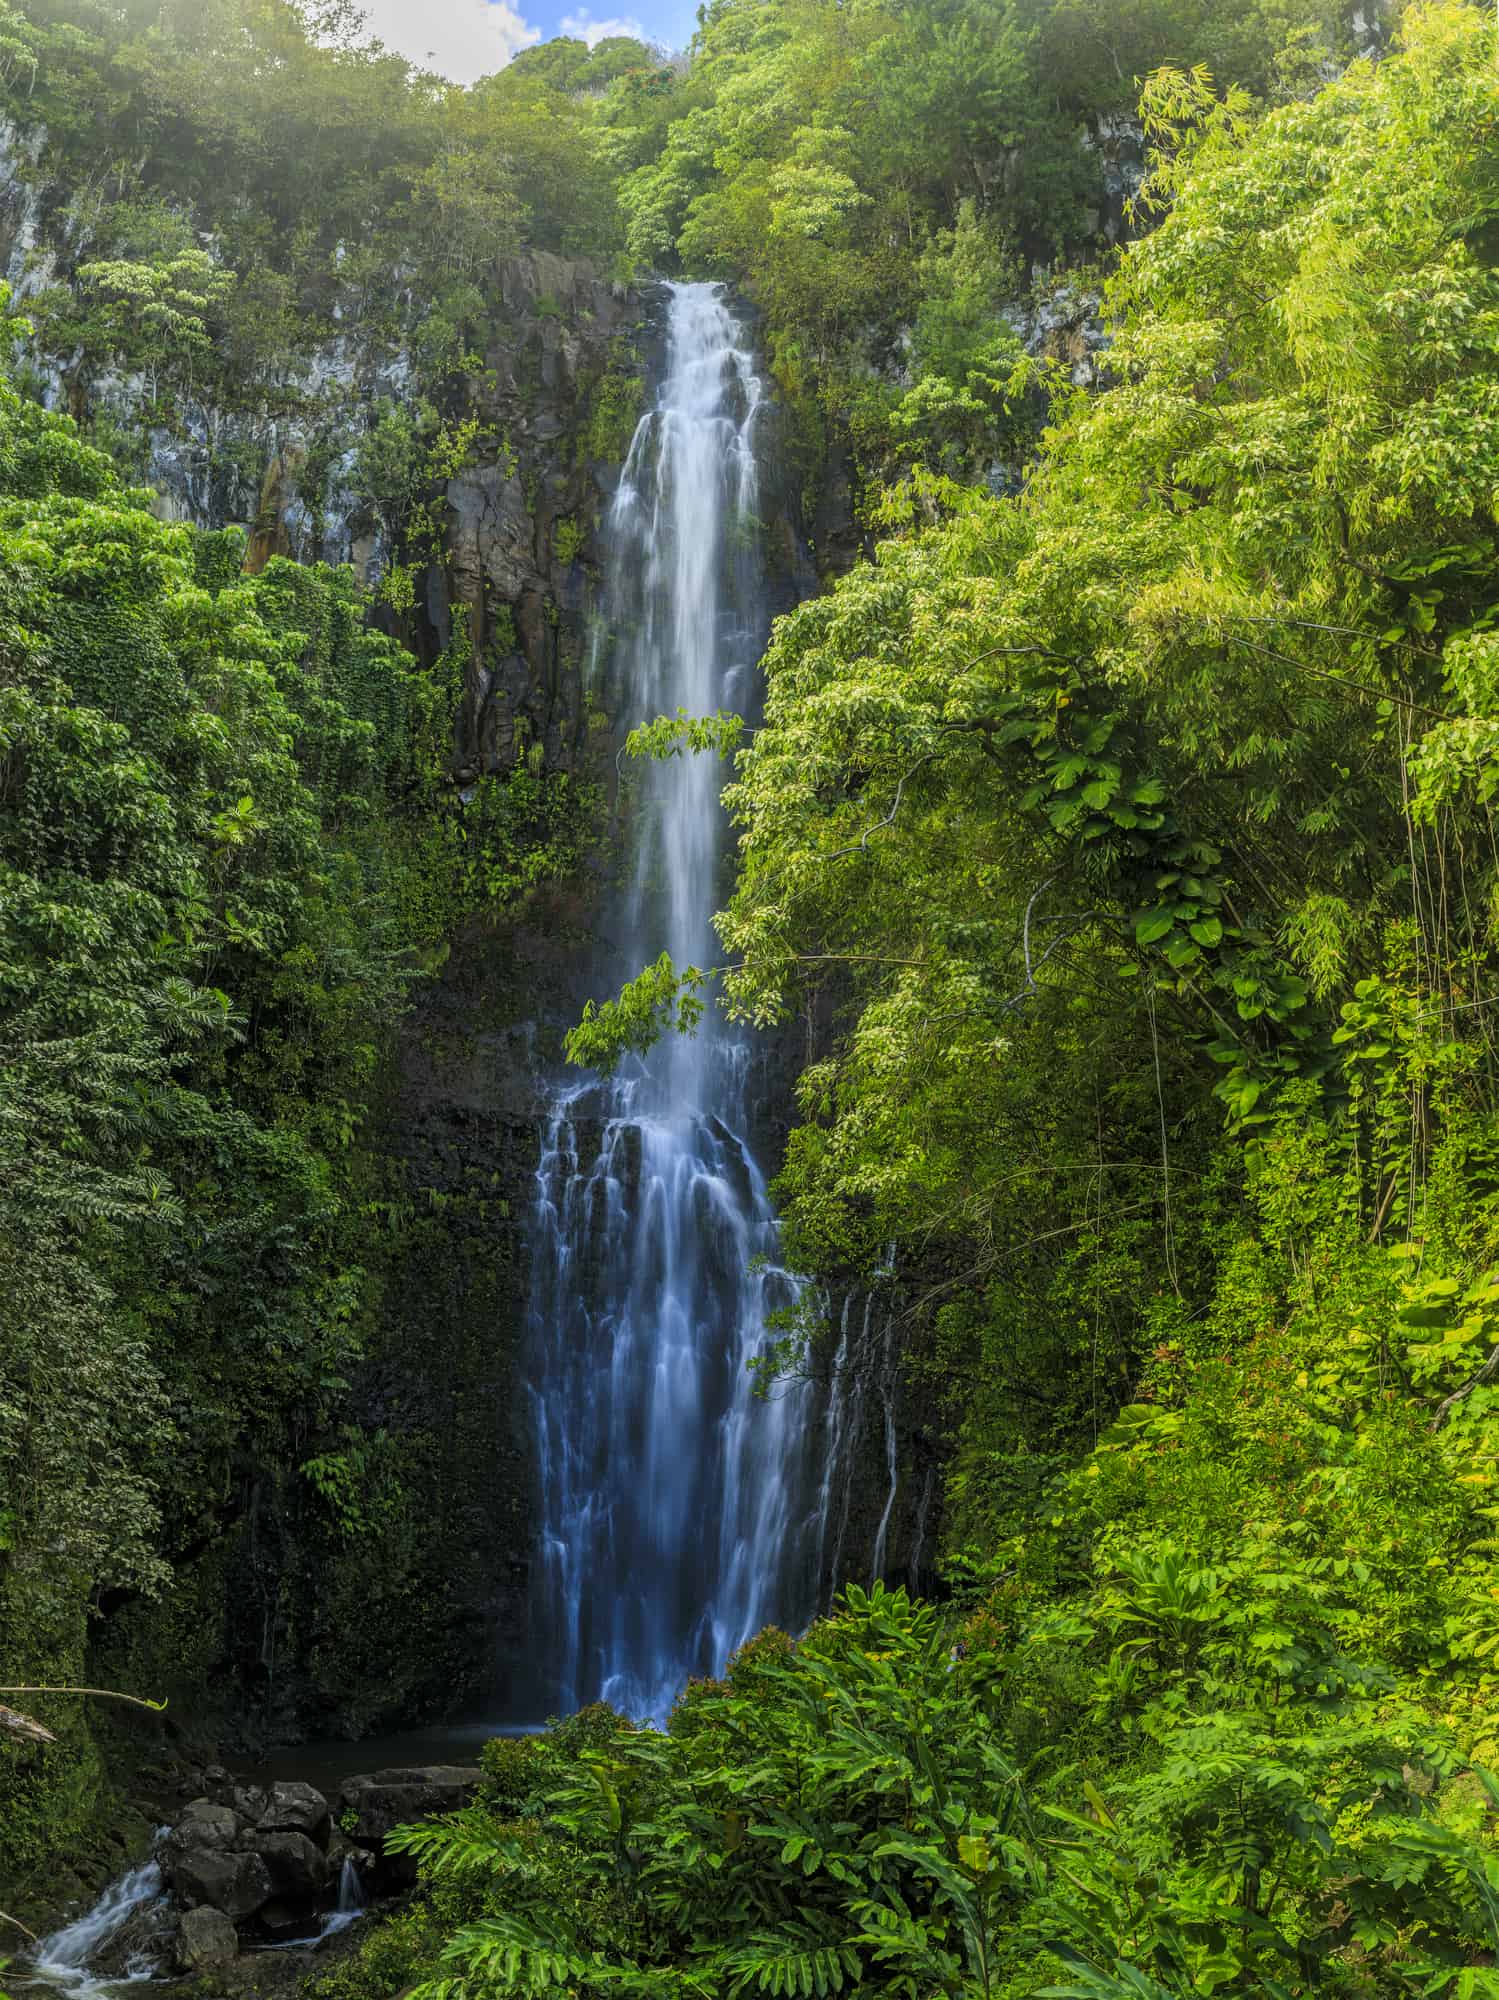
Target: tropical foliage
1117 834
1123 847
226 852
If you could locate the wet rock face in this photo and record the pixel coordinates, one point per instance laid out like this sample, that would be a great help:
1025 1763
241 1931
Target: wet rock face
204 1824
205 1938
296 1808
387 1799
236 1884
1117 140
1063 323
565 356
233 1854
297 1867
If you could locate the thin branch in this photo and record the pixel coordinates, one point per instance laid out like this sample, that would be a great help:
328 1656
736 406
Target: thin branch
18 1925
850 958
1038 652
104 1694
997 1257
862 846
1486 1373
1025 935
1065 937
1333 631
1382 1212
1337 680
975 1200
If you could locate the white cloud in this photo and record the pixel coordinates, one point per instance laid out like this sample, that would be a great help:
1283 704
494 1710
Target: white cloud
462 39
584 28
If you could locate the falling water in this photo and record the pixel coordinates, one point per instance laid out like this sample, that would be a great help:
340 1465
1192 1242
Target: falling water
678 1510
348 1910
918 1539
65 1959
350 1898
844 1427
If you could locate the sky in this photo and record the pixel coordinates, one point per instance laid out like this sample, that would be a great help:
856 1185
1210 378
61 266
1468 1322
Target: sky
465 39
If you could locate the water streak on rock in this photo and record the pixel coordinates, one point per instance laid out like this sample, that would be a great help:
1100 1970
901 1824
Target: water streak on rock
679 1510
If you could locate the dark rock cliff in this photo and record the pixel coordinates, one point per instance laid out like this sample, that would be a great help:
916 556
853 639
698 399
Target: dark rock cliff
286 1620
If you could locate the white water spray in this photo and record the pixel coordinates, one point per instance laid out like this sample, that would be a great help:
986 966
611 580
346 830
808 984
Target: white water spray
350 1906
678 1511
348 1910
64 1958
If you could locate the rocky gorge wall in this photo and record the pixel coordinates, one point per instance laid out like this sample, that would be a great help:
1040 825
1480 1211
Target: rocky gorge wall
551 389
286 1618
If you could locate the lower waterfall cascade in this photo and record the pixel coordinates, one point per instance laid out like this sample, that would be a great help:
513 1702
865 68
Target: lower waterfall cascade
64 1959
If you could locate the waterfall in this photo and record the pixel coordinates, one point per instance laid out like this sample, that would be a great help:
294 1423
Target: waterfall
64 1958
844 1426
350 1906
918 1540
868 1356
678 1509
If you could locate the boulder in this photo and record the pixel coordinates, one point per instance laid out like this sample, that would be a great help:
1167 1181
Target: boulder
237 1884
387 1799
203 1824
297 1808
298 1867
281 1923
205 1938
250 1802
342 1849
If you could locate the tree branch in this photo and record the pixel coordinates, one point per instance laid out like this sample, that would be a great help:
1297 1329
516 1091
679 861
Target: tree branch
1486 1373
1382 1212
1338 680
862 846
22 1725
104 1694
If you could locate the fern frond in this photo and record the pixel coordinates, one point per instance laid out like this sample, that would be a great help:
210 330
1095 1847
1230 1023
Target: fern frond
792 1966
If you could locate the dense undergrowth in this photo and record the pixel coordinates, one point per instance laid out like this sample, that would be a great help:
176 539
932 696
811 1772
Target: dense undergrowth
1128 844
1124 845
227 851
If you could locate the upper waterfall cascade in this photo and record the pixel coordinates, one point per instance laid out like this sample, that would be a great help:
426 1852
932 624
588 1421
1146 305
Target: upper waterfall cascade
679 1510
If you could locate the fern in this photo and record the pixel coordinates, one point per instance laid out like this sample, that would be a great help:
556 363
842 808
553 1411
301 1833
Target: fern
465 1844
1119 1982
530 1956
792 1966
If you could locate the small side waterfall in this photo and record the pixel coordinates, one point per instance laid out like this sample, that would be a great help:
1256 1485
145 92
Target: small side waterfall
65 1958
865 1363
346 1911
679 1510
350 1906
